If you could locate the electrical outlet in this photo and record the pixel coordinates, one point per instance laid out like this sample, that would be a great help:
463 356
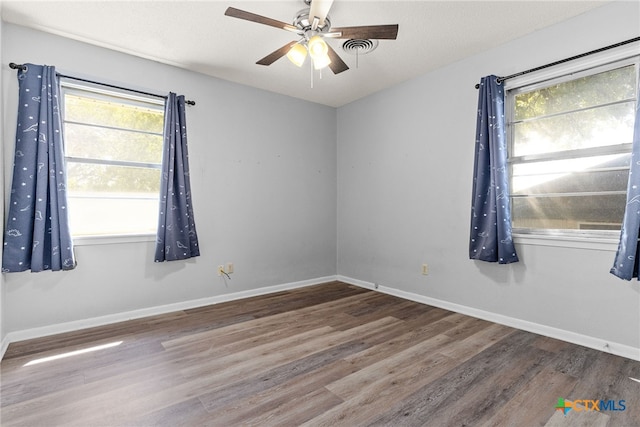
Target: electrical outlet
425 269
229 267
220 270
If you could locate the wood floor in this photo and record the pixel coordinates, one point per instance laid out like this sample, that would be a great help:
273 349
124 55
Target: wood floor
326 355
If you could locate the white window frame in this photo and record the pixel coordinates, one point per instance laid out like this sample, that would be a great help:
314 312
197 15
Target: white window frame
613 58
68 86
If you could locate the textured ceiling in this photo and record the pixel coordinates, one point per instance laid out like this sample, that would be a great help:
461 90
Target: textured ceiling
196 35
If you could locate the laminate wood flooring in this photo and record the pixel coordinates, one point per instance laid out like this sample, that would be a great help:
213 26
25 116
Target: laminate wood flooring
325 355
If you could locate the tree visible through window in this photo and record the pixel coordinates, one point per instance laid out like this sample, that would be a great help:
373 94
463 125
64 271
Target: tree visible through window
113 150
570 150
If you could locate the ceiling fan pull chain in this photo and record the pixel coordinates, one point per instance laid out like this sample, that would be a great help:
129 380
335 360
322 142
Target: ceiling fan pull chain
311 68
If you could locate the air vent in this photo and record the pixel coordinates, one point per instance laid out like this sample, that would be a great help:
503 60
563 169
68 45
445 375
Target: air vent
359 46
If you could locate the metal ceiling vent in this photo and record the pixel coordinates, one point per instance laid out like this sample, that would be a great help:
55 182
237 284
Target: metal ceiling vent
359 47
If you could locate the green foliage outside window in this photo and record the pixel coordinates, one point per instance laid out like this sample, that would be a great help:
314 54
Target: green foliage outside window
592 111
103 130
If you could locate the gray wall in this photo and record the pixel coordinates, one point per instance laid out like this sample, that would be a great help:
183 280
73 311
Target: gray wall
264 197
405 163
2 286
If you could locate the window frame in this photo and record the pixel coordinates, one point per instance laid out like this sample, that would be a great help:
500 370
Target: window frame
68 86
615 58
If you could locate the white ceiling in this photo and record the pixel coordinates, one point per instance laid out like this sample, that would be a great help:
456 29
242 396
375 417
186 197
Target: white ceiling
198 36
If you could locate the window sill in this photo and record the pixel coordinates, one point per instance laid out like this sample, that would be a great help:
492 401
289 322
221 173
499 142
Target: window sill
113 239
564 241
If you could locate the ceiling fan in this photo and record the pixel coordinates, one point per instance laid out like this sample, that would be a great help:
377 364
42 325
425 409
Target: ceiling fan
313 25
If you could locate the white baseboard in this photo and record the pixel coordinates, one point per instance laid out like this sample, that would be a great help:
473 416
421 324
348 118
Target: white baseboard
3 346
572 337
548 331
151 311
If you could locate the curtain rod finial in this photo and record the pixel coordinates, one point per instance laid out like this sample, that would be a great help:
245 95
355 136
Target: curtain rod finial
15 66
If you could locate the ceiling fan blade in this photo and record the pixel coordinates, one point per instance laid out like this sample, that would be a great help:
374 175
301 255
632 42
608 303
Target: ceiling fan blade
389 32
319 9
276 54
337 65
248 16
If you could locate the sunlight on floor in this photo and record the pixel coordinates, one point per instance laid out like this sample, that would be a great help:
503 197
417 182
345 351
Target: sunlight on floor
73 353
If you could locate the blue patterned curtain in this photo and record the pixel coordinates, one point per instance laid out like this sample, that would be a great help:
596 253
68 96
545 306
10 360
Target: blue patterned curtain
625 265
37 235
176 238
490 210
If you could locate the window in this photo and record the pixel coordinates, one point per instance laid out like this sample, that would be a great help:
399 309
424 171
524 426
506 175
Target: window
570 148
113 150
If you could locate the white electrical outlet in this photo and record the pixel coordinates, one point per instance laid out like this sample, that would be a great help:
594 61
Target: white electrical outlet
425 269
220 270
229 267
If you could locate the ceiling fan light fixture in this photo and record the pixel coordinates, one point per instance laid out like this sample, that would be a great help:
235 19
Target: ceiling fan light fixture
317 47
319 52
297 54
322 61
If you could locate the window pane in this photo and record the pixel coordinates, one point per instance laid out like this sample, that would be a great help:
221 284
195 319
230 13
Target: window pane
111 144
102 130
126 115
585 92
572 175
579 212
83 177
574 183
90 215
570 150
603 126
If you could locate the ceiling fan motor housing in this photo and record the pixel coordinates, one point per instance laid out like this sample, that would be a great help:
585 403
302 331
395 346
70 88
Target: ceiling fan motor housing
302 22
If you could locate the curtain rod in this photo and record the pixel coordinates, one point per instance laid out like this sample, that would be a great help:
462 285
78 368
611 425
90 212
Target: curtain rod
24 68
562 61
